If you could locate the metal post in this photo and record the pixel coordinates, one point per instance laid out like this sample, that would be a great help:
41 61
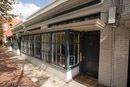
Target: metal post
67 51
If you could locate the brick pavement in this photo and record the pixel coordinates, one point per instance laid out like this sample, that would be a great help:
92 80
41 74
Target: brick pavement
11 75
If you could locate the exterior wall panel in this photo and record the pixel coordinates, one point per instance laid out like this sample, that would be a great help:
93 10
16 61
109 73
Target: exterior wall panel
105 56
121 56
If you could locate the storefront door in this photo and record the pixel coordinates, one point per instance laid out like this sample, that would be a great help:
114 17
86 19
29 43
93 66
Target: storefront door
90 53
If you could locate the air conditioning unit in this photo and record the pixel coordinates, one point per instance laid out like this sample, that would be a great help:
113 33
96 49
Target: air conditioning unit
112 15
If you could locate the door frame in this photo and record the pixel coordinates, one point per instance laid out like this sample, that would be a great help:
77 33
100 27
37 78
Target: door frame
81 51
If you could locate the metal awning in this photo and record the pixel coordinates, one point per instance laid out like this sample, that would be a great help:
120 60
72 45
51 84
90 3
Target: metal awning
90 25
126 18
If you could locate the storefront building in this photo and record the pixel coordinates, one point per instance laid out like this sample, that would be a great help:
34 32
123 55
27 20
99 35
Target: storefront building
70 37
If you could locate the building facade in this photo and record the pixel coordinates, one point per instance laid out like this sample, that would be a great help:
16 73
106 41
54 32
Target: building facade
69 37
7 26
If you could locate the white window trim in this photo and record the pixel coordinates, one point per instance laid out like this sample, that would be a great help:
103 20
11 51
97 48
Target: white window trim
5 26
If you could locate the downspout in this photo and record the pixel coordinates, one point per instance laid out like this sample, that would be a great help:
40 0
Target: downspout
112 55
117 23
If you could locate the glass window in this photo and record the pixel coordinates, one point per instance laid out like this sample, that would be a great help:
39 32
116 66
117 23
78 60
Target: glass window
30 45
46 47
58 48
5 38
53 47
37 46
74 48
14 43
26 44
22 44
5 26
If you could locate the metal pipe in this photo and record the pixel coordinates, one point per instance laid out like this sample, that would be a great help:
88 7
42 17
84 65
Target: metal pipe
112 56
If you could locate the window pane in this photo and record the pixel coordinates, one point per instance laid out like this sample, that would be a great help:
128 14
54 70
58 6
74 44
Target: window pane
63 44
46 47
5 26
71 43
58 38
74 48
58 59
30 46
76 38
47 37
44 38
63 60
37 46
58 47
22 44
26 44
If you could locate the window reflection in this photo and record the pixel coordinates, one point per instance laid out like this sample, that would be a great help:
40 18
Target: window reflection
30 45
51 47
46 47
26 44
22 44
37 46
14 43
58 48
74 48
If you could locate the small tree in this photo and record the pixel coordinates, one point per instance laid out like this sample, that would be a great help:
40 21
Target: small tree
5 6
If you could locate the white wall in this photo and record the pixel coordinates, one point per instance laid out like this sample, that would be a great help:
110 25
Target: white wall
121 56
105 56
53 69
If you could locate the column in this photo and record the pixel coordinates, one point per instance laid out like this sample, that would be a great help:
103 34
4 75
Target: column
67 49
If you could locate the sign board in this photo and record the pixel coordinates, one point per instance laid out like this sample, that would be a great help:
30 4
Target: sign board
112 15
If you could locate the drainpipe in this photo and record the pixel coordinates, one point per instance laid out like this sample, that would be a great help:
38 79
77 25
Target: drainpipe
112 55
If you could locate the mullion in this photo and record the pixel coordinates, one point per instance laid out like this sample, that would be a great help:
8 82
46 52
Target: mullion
74 50
78 48
43 47
52 48
56 48
60 46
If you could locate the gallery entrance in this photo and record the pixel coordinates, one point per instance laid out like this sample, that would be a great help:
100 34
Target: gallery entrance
90 53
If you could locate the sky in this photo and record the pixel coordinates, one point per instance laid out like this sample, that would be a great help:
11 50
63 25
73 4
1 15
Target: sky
27 7
39 3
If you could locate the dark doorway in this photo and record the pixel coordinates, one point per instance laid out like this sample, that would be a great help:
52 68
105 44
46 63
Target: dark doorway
90 53
128 83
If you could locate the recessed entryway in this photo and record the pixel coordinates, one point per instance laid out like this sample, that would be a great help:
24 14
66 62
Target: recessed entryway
90 53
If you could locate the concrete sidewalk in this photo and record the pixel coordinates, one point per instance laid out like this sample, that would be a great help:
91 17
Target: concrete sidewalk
41 77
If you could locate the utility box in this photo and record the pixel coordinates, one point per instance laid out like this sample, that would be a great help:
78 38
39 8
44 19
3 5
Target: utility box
112 15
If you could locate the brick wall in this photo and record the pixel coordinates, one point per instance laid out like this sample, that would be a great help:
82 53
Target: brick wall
9 32
121 56
113 70
126 6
